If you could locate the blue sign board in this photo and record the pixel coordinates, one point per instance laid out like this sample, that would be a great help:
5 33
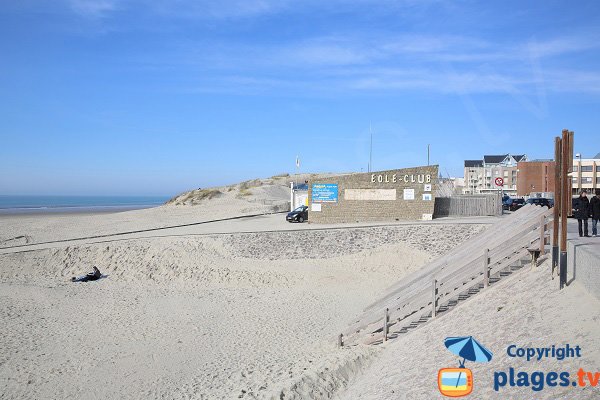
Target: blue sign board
325 193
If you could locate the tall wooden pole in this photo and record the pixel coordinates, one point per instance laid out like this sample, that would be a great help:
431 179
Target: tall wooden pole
557 202
567 141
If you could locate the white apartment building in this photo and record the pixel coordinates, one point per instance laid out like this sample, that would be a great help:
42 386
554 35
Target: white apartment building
480 175
586 174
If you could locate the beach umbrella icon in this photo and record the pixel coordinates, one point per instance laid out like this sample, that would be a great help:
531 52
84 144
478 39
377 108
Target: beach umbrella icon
467 348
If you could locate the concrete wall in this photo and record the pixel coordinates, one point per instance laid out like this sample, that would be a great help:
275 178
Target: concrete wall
583 262
378 196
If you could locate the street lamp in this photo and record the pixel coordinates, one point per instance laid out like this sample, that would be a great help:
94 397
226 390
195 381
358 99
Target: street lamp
578 156
370 149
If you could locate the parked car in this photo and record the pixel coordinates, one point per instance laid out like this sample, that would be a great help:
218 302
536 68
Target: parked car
506 202
299 214
539 201
516 204
513 204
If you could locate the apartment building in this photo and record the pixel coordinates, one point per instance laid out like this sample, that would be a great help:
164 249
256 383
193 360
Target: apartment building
536 178
586 174
480 175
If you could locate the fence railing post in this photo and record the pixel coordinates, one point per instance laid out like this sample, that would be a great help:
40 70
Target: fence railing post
386 319
542 234
486 268
341 340
434 301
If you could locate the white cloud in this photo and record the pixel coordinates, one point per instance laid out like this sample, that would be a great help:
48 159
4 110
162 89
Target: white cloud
209 9
562 45
233 9
361 60
93 8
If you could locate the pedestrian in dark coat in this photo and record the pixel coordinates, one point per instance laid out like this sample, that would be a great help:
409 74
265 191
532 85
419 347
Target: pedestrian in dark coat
595 212
582 213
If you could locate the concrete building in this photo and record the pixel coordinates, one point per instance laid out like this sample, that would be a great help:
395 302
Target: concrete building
401 194
586 174
536 178
481 175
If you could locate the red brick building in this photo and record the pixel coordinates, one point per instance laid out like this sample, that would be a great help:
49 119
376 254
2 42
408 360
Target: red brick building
535 177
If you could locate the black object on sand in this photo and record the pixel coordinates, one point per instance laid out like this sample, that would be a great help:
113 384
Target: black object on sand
92 276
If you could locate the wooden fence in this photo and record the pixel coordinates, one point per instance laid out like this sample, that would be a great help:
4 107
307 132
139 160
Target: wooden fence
468 205
423 293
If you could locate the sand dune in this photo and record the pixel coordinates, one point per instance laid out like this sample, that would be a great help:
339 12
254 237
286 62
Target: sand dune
221 316
259 196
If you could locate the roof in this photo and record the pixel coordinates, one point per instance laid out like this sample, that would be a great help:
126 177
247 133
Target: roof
494 159
597 156
519 157
473 163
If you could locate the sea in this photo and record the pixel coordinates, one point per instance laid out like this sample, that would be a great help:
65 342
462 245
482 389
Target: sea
76 204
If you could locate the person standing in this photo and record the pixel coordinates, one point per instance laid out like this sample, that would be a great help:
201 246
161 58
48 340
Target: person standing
582 213
595 212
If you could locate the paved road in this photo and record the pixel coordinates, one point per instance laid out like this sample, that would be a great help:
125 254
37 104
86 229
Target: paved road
262 223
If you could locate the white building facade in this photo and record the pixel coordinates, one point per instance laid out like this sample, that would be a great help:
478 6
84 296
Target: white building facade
586 174
481 176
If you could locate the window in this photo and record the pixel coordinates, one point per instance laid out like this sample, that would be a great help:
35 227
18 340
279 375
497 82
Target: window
574 179
586 180
574 168
587 168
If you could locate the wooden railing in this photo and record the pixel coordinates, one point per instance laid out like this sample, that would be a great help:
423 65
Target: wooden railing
471 265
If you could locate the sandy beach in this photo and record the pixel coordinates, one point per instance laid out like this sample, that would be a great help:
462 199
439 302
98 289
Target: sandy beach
243 308
227 315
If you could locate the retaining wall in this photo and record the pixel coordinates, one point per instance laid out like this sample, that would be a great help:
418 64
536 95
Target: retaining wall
583 262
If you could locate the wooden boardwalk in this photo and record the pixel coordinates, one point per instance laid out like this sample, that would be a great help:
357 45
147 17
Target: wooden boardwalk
503 248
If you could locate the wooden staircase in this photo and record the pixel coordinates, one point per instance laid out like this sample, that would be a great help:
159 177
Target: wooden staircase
441 285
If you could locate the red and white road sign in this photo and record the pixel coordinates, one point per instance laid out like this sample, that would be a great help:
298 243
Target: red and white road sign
499 181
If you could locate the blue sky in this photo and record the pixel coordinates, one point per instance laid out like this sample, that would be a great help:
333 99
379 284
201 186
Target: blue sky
146 97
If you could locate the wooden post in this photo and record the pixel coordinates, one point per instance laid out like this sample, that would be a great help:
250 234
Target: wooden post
386 318
567 161
486 268
341 340
434 302
558 207
542 234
